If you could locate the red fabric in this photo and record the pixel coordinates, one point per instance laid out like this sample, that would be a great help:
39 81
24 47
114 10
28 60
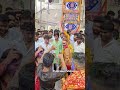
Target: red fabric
65 46
37 83
68 67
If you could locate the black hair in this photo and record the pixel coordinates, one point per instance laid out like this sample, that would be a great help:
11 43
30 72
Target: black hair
28 26
4 18
10 13
51 30
45 32
108 26
36 33
48 59
76 34
56 30
8 8
111 13
68 32
56 33
46 37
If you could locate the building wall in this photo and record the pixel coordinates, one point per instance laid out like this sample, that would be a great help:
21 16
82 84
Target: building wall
53 7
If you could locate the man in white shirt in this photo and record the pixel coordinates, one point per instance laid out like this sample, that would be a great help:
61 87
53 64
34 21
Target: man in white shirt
41 38
79 46
106 49
92 30
106 60
46 44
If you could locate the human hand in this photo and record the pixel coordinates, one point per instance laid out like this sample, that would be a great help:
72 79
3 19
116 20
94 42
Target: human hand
40 49
53 48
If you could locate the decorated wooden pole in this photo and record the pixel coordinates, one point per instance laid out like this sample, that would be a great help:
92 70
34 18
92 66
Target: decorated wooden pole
71 11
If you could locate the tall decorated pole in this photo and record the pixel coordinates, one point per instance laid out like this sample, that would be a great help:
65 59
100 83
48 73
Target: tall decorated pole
71 11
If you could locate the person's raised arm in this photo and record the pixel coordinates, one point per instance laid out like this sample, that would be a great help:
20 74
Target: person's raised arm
50 49
62 62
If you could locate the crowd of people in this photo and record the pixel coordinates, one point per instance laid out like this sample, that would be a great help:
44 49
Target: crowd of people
56 55
16 48
20 44
102 51
59 41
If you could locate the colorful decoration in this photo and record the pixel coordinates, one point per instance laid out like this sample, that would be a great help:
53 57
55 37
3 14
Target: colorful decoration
75 81
96 7
71 15
71 5
71 26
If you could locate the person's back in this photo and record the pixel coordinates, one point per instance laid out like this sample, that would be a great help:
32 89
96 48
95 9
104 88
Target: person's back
48 79
46 74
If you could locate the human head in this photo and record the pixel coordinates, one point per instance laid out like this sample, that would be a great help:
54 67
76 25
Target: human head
69 32
51 32
3 24
45 32
28 31
79 39
96 24
46 39
25 16
12 19
56 35
75 37
65 42
111 14
18 15
61 35
107 29
48 60
36 36
81 32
